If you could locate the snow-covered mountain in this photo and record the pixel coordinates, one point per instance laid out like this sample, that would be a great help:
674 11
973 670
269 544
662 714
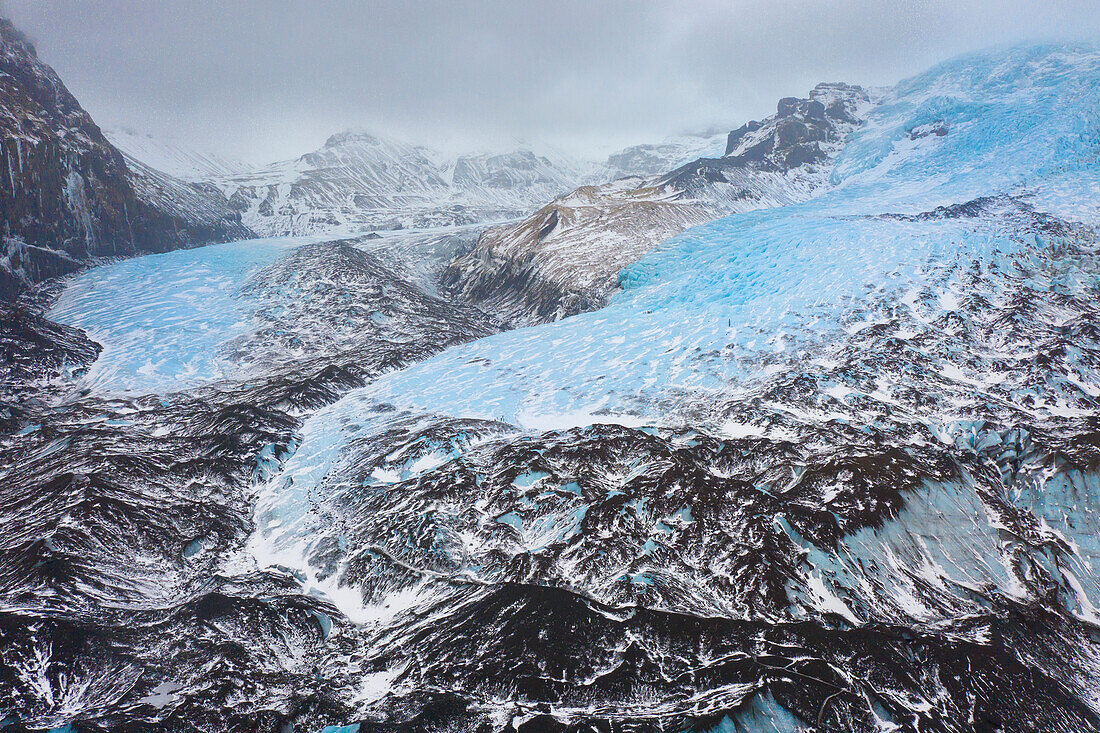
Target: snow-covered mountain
177 159
653 159
359 181
362 181
565 257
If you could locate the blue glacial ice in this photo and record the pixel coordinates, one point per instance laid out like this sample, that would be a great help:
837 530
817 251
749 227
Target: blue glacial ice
743 285
162 319
717 307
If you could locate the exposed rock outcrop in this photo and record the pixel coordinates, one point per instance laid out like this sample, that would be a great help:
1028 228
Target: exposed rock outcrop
564 258
66 194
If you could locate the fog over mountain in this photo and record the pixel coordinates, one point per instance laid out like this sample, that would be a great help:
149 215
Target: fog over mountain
267 81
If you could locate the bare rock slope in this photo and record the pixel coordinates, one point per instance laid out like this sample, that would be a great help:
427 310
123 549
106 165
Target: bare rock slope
564 258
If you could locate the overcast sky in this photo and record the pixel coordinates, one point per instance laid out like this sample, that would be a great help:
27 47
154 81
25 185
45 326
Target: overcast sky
270 79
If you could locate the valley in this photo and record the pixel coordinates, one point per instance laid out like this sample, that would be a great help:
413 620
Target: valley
790 428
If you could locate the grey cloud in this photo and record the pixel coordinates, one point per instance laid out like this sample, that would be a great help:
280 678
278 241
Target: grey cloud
271 78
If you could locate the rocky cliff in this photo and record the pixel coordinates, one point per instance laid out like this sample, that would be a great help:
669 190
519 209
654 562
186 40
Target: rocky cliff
66 194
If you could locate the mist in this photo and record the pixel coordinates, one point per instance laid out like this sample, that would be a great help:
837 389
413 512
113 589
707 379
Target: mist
262 80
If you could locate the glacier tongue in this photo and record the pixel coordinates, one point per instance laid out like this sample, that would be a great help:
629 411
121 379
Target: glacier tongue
162 318
184 319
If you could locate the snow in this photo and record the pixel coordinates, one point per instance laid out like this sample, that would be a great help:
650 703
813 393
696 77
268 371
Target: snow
162 695
162 319
359 181
651 159
171 156
665 341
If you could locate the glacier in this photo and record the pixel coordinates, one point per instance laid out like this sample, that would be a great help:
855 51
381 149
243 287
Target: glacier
161 318
723 284
934 257
731 302
828 466
171 321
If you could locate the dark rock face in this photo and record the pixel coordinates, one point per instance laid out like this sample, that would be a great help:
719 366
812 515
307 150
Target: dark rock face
33 347
34 353
801 134
794 136
736 135
513 289
197 213
938 128
85 508
1006 208
66 194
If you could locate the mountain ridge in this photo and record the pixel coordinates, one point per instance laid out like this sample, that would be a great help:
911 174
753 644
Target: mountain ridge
565 258
361 180
68 196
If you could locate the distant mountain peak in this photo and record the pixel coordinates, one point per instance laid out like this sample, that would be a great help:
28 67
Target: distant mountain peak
361 180
360 136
